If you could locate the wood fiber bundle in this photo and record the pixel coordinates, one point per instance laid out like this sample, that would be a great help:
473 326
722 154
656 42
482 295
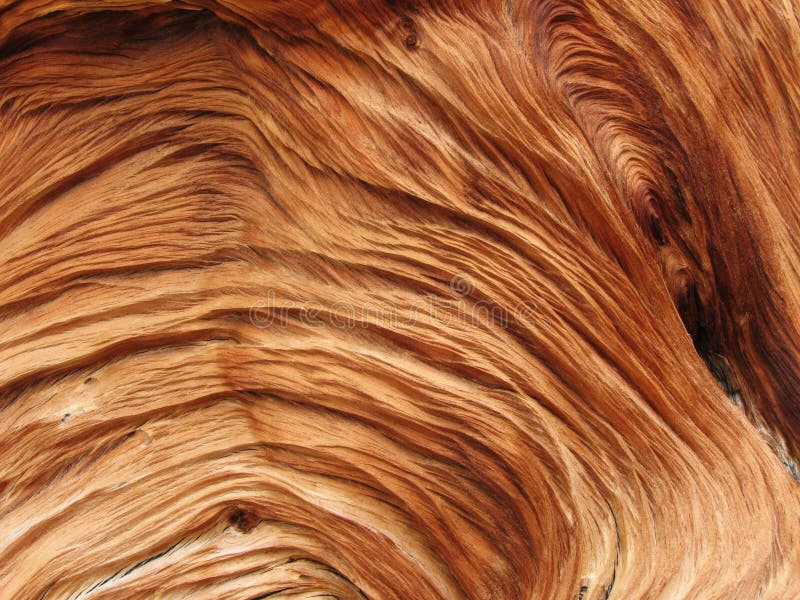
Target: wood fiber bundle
485 300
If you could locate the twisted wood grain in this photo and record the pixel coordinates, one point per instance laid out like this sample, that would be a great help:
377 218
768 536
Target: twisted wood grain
485 300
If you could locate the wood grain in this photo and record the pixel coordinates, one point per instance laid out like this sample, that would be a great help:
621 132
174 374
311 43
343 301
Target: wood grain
485 300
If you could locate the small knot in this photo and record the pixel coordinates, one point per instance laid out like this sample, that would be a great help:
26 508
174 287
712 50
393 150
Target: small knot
409 27
243 520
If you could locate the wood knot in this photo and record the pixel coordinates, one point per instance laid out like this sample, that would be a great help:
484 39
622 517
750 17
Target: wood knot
243 520
411 39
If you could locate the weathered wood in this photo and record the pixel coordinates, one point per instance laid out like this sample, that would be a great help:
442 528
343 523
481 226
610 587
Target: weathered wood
486 300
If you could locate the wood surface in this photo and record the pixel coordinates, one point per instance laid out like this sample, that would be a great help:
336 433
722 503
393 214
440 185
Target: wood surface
481 300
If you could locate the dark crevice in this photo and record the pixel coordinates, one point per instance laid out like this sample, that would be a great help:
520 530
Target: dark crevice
725 374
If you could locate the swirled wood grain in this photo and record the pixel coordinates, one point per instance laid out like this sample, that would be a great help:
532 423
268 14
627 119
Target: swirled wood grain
485 300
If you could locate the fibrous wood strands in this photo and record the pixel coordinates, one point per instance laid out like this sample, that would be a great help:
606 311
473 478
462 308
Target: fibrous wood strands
484 300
